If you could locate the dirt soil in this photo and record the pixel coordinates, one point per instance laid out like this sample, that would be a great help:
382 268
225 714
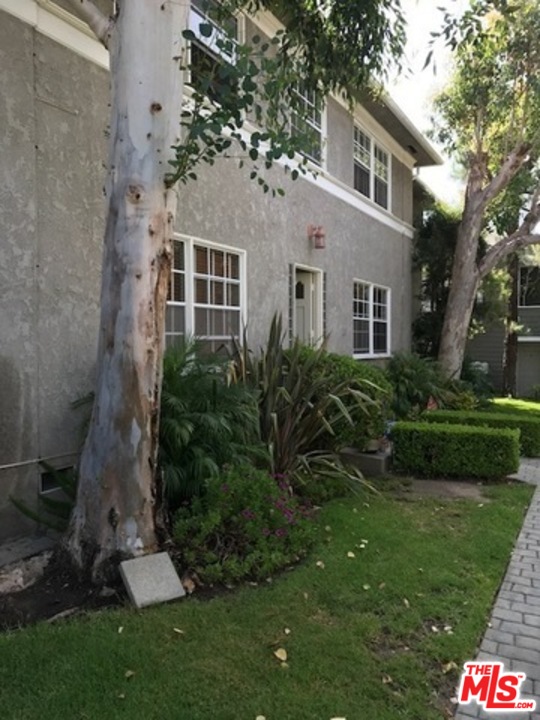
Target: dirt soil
445 489
56 594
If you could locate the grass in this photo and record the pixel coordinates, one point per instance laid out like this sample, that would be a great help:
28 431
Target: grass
361 641
514 405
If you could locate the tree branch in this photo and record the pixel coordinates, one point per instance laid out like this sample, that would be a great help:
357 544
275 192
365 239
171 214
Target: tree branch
98 21
510 167
525 235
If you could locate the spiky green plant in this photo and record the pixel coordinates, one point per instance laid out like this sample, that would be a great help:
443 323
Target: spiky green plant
297 408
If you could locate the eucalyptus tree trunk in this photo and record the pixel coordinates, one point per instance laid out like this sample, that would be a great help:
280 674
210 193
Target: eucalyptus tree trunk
467 272
115 513
463 288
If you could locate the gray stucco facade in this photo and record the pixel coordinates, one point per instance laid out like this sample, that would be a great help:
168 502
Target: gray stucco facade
53 122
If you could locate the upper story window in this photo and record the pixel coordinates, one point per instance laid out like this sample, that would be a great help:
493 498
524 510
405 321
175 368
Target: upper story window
211 48
371 168
371 320
529 286
306 120
224 28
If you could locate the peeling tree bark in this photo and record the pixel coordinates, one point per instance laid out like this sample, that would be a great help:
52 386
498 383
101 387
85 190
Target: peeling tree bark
465 277
114 516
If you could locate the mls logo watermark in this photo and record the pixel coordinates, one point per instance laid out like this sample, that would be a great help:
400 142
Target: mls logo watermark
488 685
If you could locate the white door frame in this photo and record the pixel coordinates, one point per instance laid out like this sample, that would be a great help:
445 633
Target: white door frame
317 307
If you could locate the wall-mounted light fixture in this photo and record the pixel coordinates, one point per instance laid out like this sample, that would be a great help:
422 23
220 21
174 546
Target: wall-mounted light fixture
317 236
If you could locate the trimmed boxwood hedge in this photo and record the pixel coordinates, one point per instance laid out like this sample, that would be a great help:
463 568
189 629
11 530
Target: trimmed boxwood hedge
455 450
528 424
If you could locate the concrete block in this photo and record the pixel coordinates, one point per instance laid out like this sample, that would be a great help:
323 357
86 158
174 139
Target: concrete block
370 464
151 579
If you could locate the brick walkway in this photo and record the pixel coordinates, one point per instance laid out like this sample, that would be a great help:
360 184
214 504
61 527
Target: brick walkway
513 634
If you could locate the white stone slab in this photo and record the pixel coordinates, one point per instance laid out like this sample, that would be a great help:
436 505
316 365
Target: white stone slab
151 579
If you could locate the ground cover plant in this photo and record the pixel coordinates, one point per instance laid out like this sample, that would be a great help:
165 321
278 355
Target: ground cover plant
248 524
393 598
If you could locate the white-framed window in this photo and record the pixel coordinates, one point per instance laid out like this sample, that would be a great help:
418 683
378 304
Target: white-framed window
207 295
529 286
208 51
371 168
371 320
204 12
307 119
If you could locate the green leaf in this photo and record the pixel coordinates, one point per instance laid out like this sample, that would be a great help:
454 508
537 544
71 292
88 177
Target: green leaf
206 29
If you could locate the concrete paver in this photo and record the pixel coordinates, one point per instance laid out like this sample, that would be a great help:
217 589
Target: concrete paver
513 634
151 579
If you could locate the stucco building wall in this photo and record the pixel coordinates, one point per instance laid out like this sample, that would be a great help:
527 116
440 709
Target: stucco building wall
53 123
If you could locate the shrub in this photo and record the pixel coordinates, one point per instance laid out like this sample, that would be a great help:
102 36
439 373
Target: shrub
528 425
476 379
248 524
205 422
455 450
414 380
298 407
369 417
463 400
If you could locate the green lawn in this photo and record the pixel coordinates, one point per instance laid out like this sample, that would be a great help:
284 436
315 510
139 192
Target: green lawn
367 633
514 405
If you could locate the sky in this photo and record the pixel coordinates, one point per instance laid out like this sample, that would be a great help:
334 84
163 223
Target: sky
414 90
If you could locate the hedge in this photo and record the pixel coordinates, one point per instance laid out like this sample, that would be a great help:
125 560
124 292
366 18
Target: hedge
528 424
433 449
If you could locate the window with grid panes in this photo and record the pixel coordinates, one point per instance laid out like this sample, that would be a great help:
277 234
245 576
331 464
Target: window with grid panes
371 311
207 54
216 303
371 168
362 162
205 294
380 320
175 316
380 171
306 120
361 319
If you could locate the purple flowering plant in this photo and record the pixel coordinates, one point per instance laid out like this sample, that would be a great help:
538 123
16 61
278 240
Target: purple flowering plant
248 525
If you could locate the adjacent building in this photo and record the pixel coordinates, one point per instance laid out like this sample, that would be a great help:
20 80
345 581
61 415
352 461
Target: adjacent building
489 347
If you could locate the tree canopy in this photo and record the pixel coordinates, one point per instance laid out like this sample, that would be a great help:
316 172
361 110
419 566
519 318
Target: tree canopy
489 118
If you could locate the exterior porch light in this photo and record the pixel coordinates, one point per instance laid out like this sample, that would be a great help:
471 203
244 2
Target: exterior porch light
317 236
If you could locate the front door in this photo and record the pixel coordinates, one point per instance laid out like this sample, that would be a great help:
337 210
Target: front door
306 306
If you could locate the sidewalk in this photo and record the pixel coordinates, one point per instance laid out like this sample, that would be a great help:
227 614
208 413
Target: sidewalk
513 634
